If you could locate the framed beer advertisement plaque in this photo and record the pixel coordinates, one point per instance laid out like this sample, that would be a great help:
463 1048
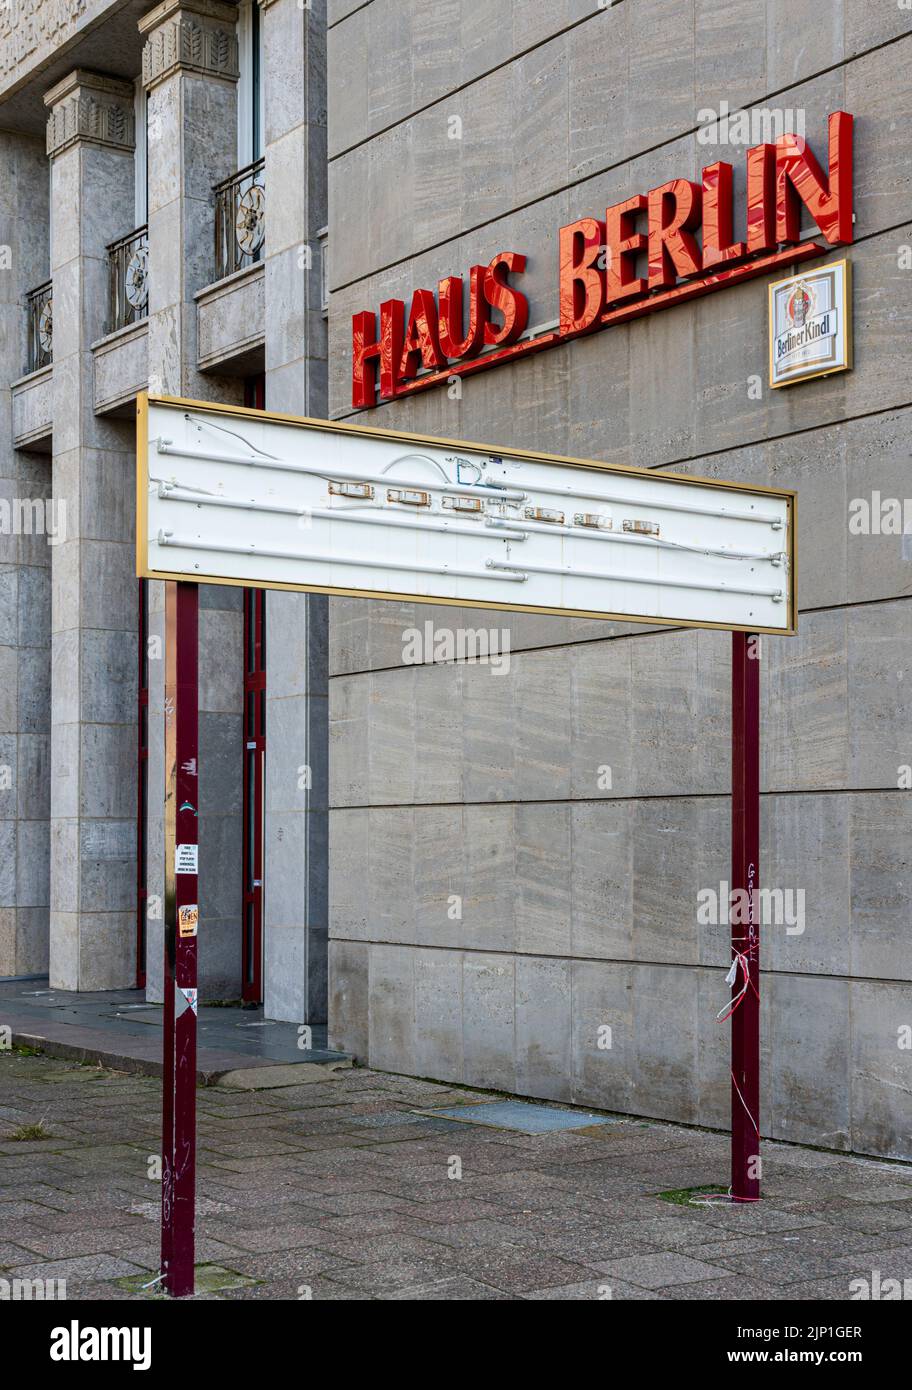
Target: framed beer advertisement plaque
810 324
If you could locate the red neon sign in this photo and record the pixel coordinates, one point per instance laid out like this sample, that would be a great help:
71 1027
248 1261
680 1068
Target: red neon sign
447 336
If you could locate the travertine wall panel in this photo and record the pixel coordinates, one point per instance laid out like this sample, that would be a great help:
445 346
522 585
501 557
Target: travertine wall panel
495 901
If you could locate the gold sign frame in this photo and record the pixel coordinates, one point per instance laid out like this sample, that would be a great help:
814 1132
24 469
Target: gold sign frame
144 398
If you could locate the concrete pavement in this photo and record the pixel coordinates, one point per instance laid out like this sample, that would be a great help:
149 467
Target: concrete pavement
339 1190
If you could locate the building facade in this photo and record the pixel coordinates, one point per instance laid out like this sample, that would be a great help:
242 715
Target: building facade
493 873
502 914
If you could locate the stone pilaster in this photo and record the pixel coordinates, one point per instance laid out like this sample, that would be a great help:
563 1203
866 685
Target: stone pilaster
190 72
293 44
93 611
25 581
295 905
297 763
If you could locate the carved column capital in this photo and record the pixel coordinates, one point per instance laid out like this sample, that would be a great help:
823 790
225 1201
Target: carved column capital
89 106
191 36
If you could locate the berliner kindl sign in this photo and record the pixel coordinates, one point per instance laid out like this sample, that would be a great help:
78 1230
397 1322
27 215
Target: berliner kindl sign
810 324
227 495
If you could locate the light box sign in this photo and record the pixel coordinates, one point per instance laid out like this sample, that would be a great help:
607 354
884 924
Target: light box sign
227 495
810 324
646 253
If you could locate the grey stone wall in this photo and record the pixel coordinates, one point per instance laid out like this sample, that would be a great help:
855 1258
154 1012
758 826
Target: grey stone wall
579 902
25 586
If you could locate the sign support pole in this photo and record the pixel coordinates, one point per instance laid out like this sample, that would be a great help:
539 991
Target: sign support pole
181 919
745 920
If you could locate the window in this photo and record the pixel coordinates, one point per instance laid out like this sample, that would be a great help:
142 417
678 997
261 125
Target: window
140 155
250 87
323 239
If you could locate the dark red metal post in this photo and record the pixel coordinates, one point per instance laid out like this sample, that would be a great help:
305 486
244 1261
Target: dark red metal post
254 765
181 924
254 778
745 917
142 780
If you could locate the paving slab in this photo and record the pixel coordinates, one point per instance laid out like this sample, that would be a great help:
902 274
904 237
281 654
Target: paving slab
779 1266
659 1270
460 1289
386 1276
733 1289
599 1288
519 1115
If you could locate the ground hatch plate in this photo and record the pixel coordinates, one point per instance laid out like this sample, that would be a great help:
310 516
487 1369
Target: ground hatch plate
516 1114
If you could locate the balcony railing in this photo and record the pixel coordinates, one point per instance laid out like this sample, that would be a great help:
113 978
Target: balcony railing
240 219
128 269
40 307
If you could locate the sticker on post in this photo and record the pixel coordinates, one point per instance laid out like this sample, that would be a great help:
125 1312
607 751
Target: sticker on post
188 919
184 999
186 859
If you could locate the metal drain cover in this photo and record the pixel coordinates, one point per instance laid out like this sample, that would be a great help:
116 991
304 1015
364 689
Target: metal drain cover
516 1114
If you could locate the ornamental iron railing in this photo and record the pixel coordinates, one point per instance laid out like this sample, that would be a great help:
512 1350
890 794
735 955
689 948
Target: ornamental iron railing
240 219
40 306
128 270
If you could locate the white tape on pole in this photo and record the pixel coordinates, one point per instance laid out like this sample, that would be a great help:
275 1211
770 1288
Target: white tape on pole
268 501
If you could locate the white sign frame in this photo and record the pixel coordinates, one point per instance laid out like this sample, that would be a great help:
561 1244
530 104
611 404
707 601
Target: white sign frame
724 556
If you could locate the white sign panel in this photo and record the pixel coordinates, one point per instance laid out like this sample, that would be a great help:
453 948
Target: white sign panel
236 496
810 324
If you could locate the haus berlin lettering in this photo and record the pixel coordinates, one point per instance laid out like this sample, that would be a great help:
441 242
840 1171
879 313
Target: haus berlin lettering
442 337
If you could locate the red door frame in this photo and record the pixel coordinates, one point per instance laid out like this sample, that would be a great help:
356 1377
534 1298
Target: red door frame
254 767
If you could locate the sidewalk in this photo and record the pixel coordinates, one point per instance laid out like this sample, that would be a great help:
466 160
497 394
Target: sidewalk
119 1029
350 1189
